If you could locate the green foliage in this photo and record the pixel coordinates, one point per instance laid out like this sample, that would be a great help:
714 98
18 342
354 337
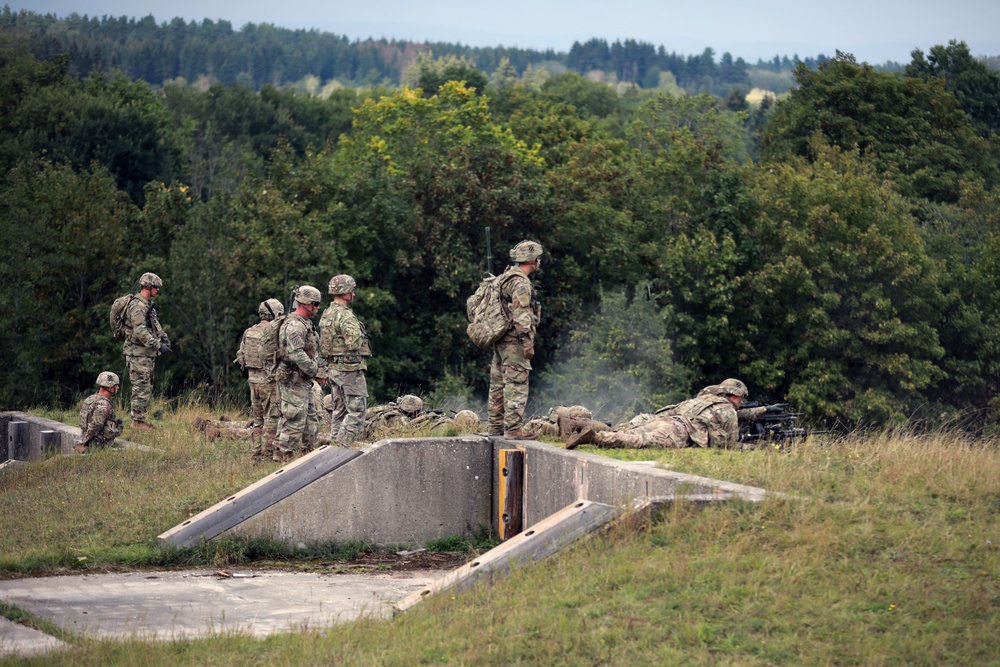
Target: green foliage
976 88
845 300
618 361
63 252
912 129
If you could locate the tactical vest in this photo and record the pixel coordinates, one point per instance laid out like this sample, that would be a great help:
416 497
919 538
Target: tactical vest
332 343
258 345
310 342
90 404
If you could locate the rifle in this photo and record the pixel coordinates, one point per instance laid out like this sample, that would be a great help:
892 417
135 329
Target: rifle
778 427
489 254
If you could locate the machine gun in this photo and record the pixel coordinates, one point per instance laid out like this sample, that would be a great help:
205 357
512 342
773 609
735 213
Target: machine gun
776 427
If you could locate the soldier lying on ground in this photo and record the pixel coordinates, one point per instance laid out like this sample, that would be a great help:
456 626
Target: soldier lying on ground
406 416
549 425
708 420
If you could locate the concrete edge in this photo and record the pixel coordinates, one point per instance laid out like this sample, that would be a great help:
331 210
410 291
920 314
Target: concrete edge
258 496
68 434
21 641
537 542
552 534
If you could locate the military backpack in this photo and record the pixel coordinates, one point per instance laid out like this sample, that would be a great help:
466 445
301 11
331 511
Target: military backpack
489 316
119 327
258 346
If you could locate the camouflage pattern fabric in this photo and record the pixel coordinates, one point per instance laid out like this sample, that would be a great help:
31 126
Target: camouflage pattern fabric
298 424
384 420
512 353
549 425
345 345
98 424
703 421
349 391
140 376
343 339
141 346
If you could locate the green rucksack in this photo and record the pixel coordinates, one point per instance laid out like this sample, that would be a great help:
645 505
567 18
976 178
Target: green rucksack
118 326
489 316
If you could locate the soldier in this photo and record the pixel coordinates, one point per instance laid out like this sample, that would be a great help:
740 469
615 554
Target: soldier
297 366
144 341
708 420
393 417
549 425
257 355
98 424
344 344
513 352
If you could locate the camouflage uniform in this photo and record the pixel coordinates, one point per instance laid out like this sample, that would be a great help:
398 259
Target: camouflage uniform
258 354
142 345
344 343
392 418
98 424
297 350
511 366
549 425
704 421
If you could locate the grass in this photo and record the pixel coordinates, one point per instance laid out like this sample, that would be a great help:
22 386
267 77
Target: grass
884 552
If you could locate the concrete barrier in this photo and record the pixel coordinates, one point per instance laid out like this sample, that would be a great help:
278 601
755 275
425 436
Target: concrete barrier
61 441
411 491
398 492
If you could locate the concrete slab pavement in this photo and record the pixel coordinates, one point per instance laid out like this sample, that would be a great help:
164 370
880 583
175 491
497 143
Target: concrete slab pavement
162 605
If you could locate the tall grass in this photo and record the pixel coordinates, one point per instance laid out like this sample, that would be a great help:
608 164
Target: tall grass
883 550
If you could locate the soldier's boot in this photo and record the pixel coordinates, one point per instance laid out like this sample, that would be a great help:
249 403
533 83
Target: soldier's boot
143 426
568 426
81 448
211 433
587 436
519 434
199 423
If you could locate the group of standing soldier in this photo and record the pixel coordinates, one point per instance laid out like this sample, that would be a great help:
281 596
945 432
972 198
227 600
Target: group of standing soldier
289 361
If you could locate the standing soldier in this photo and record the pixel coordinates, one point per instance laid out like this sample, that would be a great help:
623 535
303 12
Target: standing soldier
144 341
343 341
513 352
297 366
258 348
98 424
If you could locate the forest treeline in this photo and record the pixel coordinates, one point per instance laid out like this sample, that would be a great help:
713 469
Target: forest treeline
839 249
256 55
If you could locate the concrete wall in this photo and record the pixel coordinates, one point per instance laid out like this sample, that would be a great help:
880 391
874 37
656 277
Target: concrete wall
67 434
400 491
555 477
410 491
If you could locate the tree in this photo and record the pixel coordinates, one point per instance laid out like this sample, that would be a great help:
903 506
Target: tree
911 128
976 88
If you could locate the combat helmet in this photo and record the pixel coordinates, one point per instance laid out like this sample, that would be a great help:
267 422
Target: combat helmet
467 419
308 294
150 280
526 251
733 387
108 379
270 309
410 404
342 284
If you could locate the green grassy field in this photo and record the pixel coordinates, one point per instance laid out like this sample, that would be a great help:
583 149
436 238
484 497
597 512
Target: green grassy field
885 552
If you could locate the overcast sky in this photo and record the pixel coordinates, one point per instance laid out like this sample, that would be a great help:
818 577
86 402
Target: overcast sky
873 30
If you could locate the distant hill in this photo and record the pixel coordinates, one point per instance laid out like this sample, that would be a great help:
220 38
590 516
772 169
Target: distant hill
261 54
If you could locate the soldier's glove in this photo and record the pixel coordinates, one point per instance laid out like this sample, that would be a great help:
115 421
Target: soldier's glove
165 346
776 408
